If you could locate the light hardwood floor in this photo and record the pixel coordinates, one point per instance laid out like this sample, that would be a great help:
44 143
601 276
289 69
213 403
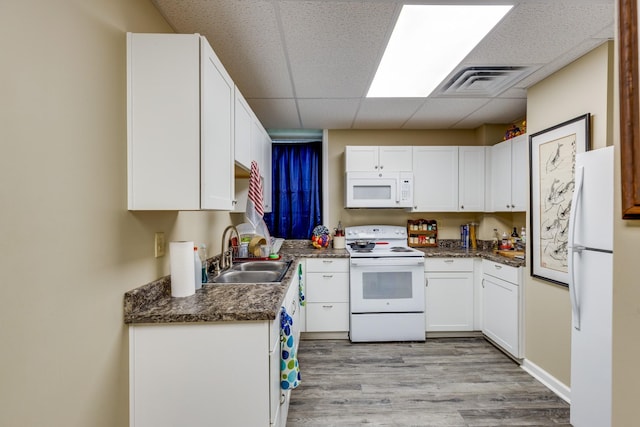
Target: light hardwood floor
443 382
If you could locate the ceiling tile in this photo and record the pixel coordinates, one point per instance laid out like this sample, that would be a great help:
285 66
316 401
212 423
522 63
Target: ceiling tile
443 113
334 46
385 113
509 110
322 113
244 36
276 113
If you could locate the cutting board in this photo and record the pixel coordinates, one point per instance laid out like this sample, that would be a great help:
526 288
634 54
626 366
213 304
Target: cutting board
511 254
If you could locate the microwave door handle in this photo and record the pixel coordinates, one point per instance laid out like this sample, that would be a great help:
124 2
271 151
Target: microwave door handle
398 190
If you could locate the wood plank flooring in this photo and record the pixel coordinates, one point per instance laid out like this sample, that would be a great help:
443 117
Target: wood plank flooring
443 382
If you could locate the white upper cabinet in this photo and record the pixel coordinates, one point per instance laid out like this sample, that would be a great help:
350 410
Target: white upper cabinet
449 178
378 158
519 172
180 103
242 127
216 150
471 179
507 175
435 177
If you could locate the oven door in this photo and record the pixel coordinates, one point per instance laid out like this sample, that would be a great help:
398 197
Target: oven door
383 285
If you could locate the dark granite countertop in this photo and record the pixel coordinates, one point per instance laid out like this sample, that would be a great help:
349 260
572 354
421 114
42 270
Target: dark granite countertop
442 252
152 303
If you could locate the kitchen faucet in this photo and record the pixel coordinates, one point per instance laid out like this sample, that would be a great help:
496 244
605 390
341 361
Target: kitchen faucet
226 257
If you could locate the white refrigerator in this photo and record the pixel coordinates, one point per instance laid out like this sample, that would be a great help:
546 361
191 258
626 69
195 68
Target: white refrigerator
590 288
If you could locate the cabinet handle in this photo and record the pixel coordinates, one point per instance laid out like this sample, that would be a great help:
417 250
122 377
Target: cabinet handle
327 306
507 206
497 266
461 206
448 261
426 282
381 167
375 167
513 206
327 276
326 261
282 398
294 307
483 283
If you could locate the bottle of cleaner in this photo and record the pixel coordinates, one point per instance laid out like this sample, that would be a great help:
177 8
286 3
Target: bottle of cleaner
202 250
197 267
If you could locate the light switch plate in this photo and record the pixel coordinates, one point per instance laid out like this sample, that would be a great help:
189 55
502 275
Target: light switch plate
159 244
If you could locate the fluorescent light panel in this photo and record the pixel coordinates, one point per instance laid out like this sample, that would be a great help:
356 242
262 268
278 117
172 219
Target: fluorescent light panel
427 43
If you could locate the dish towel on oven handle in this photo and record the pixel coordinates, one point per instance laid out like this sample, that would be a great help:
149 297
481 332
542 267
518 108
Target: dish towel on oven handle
301 298
289 369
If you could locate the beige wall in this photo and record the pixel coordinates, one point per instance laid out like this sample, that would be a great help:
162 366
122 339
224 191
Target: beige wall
626 299
581 87
69 248
448 223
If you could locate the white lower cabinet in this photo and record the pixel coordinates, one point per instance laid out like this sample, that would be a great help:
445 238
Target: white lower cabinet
502 306
204 374
327 295
449 294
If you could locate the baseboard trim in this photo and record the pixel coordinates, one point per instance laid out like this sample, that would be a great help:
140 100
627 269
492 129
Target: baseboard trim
324 335
549 381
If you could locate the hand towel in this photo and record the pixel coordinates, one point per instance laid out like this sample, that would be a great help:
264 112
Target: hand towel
301 298
255 189
289 369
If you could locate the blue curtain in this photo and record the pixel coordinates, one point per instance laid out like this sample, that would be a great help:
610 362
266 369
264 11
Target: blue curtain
296 190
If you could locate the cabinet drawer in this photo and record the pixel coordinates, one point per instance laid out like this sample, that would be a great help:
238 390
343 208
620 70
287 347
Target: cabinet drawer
320 265
327 287
501 271
328 317
448 264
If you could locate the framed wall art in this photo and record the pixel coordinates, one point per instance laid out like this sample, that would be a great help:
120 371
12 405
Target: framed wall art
552 154
629 109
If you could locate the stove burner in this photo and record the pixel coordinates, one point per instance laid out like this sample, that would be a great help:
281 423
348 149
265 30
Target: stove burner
364 251
401 249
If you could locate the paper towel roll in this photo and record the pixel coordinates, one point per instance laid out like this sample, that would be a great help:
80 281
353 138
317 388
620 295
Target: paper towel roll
183 280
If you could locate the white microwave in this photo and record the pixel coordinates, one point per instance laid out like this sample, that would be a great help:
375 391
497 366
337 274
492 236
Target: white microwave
379 190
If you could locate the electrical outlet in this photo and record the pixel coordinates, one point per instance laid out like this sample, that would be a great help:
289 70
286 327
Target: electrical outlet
159 244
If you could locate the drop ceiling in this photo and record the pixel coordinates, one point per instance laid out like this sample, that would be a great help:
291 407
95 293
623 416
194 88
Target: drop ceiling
308 64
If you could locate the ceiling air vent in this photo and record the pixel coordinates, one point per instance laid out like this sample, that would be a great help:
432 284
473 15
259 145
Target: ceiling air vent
484 80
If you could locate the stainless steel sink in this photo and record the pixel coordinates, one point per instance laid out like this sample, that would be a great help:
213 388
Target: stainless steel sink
254 272
261 266
235 276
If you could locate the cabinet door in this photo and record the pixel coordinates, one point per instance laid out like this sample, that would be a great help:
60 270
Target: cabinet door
161 394
266 171
519 172
395 159
435 174
242 129
449 301
501 176
216 122
500 313
163 121
361 158
471 179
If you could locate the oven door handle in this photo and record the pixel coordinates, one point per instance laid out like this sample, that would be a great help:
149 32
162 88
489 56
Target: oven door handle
387 261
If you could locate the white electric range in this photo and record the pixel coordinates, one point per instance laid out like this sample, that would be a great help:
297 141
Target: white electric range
387 285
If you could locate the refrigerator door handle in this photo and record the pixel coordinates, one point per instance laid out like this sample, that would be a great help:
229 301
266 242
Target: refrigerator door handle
573 248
